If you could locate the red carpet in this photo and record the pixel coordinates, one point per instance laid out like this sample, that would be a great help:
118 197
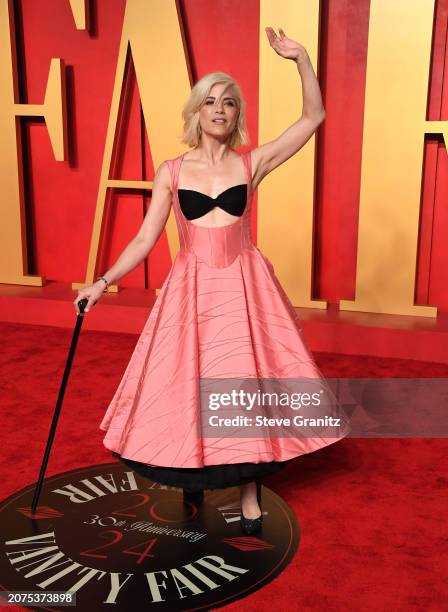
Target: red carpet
372 512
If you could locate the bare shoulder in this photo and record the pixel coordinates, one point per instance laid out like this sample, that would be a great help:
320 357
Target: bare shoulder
162 178
158 212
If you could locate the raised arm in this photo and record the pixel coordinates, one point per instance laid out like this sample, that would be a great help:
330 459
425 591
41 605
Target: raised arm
268 156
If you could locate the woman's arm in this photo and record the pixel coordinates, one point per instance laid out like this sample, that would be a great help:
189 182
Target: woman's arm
152 226
268 156
139 247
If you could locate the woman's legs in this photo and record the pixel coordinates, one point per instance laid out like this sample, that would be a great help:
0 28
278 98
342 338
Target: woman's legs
249 503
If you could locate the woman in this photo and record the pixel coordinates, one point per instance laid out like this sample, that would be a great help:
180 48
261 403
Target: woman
221 312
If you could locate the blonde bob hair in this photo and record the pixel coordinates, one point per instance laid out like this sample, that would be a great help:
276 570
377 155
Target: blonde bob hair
190 112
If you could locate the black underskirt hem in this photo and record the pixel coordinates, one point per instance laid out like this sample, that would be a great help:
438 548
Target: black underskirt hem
208 477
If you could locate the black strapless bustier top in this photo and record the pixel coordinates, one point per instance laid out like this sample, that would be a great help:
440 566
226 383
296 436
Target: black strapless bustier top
195 204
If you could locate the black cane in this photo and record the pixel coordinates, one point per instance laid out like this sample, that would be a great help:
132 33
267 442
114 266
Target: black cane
81 304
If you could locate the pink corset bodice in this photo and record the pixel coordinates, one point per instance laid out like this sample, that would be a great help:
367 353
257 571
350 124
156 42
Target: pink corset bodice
217 247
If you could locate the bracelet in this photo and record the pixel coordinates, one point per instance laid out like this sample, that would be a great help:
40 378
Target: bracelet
105 280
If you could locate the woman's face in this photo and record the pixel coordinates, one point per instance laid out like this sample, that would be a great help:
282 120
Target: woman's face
219 113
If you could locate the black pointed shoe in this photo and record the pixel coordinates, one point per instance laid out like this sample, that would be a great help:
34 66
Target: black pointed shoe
250 526
194 497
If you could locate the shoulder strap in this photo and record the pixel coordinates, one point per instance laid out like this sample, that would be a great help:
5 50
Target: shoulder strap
174 165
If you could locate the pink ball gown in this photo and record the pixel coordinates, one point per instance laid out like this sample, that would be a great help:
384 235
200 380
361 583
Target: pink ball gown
221 313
